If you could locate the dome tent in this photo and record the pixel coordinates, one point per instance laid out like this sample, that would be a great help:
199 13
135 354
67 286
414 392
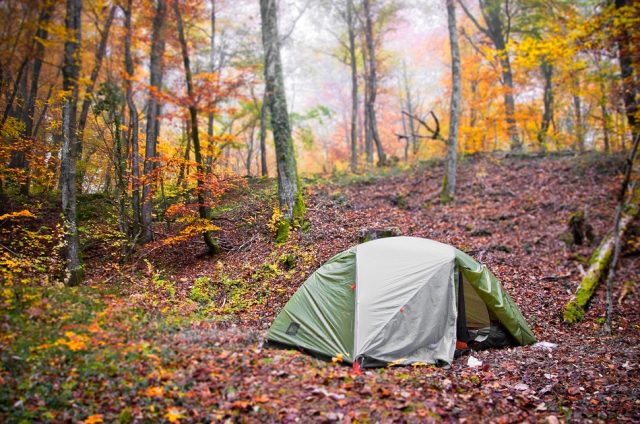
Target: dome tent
395 300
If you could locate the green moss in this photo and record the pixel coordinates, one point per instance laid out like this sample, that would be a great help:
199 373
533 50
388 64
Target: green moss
282 232
574 310
299 209
444 196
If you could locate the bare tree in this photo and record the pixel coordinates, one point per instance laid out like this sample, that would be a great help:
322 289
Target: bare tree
289 195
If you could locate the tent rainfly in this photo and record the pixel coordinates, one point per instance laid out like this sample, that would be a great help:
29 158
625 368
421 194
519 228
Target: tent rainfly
397 300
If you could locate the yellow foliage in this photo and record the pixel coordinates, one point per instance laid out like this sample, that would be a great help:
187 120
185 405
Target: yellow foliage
94 419
276 217
154 391
173 414
20 214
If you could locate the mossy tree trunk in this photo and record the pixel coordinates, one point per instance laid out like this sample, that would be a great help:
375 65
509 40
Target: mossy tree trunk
600 260
290 199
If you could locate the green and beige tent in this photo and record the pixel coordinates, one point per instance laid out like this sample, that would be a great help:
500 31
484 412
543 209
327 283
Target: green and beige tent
397 300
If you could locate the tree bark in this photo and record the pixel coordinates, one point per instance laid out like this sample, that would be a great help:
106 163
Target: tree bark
547 115
263 136
629 75
577 110
212 69
373 82
354 85
68 159
153 117
203 209
290 199
449 186
412 139
133 129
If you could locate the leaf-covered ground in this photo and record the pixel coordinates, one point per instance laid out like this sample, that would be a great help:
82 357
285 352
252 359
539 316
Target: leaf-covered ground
176 335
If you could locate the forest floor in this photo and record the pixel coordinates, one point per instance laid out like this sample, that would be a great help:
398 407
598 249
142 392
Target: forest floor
176 335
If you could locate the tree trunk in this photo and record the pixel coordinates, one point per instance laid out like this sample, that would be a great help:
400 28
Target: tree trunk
153 116
212 69
68 159
368 141
133 129
86 103
449 185
289 195
577 109
203 209
20 159
412 140
250 149
547 116
373 81
499 33
575 309
354 86
263 136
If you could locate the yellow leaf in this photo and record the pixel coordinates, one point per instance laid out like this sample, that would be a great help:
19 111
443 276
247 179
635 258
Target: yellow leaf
338 358
154 391
173 415
94 419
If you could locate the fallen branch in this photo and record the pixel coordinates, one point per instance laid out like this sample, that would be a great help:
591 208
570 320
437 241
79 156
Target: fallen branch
435 132
575 308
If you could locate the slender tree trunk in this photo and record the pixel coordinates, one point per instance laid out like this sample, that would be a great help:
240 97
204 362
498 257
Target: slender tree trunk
86 103
212 69
153 117
354 86
547 115
510 105
134 125
181 182
289 195
577 109
368 140
250 149
203 209
605 117
71 72
449 186
20 159
498 32
412 139
373 82
263 136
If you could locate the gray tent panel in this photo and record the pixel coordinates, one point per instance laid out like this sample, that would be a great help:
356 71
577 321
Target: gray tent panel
389 273
424 329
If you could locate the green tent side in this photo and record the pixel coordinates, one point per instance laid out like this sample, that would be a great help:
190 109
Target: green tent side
319 317
497 300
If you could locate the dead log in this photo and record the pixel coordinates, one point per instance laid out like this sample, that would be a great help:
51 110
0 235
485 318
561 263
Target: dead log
575 309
